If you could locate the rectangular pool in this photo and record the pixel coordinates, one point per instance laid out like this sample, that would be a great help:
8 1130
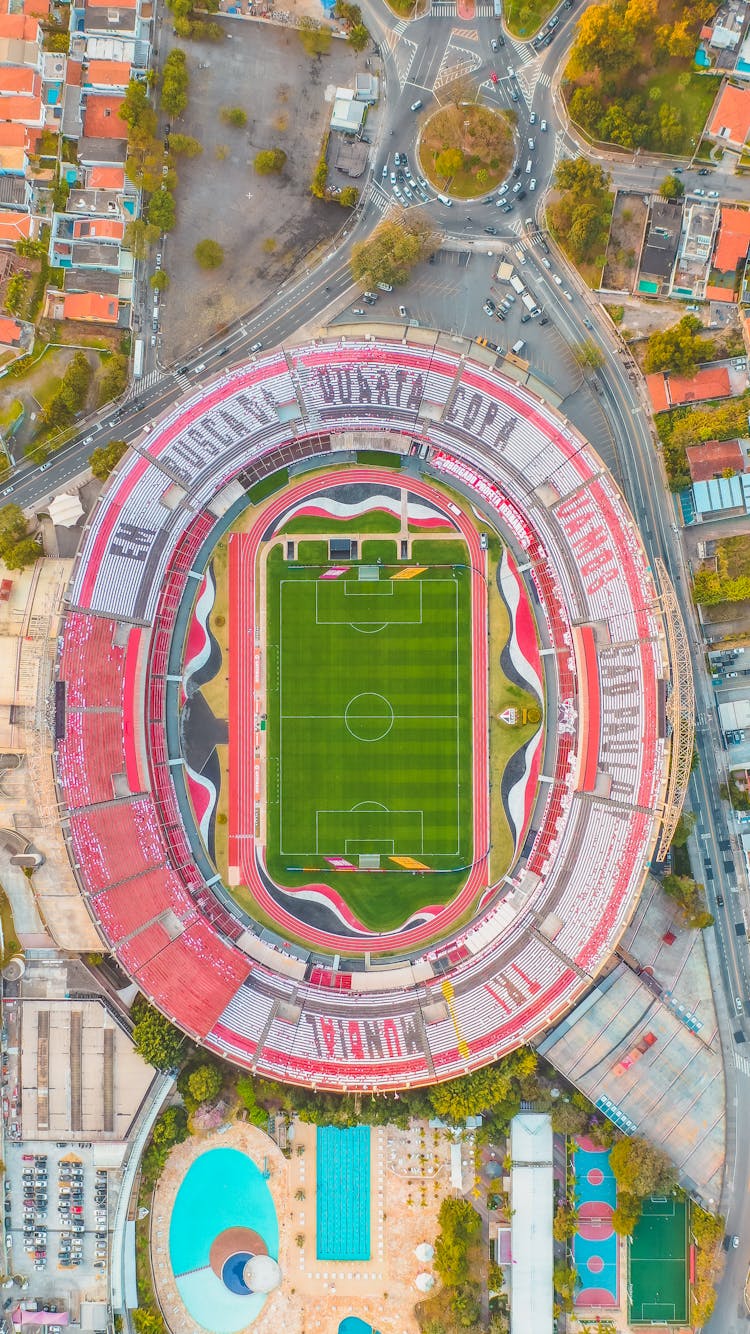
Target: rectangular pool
343 1193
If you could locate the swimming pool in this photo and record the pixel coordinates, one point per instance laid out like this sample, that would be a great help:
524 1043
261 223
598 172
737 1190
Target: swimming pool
223 1214
351 1324
343 1193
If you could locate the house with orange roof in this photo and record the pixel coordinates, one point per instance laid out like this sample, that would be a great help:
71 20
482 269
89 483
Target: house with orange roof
730 123
23 110
15 336
730 254
92 306
35 8
19 28
101 119
672 391
13 148
109 229
715 458
16 79
107 74
106 178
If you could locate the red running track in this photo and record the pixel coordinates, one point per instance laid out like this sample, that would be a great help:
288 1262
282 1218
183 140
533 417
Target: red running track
244 764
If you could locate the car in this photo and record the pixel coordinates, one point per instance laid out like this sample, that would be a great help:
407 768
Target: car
495 44
532 118
704 171
505 207
713 194
698 191
544 319
411 181
532 183
402 312
514 94
546 262
385 287
503 190
517 187
525 317
543 126
370 301
27 1157
493 76
522 195
409 194
489 306
398 193
256 347
358 311
532 145
400 159
393 178
510 297
499 315
384 172
735 1243
491 231
568 295
720 900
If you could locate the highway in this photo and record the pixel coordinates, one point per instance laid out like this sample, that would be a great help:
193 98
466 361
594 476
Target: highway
413 64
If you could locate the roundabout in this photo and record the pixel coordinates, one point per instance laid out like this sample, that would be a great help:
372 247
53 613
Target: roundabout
280 972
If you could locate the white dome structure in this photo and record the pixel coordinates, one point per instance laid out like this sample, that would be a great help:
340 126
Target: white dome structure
261 1273
425 1282
425 1252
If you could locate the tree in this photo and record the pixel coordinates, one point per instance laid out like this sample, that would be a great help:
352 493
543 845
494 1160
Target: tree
349 196
449 162
235 116
690 896
159 280
170 1128
564 1280
315 39
460 1225
685 827
565 1221
113 378
158 1041
138 113
162 210
392 251
640 1168
269 160
106 458
12 527
23 554
627 1213
174 83
588 355
209 254
580 216
246 1093
359 36
671 187
479 1092
677 349
140 236
184 145
567 1119
147 1321
204 1083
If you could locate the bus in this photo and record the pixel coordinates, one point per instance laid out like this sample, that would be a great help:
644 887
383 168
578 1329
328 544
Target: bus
138 359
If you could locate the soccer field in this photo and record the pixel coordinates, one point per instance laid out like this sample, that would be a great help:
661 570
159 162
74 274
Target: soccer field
369 729
658 1263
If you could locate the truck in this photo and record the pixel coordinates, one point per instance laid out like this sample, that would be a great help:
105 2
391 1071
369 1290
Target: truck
530 303
516 284
504 272
138 359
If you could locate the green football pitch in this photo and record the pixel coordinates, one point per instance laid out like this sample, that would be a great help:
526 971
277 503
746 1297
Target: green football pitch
658 1280
369 733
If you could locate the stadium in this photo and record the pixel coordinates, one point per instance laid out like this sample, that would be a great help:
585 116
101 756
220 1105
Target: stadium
365 724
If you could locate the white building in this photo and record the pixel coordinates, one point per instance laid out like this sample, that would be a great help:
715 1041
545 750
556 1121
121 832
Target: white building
531 1195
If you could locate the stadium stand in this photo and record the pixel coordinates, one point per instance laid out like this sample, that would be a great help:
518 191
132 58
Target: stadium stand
534 945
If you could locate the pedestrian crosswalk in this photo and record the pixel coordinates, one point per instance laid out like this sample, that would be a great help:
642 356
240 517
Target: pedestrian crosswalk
398 29
146 381
742 1063
183 381
444 9
403 52
484 11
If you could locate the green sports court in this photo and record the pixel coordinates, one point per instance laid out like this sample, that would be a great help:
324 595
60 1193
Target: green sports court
658 1263
369 723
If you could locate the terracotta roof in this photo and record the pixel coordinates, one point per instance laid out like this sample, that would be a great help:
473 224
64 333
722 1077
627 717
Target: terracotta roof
732 117
101 120
21 108
74 73
102 4
22 26
10 332
14 225
710 460
97 229
106 178
91 306
672 391
18 79
33 7
12 135
113 73
733 240
714 293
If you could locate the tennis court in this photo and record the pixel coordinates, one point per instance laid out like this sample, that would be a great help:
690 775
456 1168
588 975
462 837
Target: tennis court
658 1263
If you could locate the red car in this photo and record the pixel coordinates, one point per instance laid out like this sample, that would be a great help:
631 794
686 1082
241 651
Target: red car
493 76
76 1209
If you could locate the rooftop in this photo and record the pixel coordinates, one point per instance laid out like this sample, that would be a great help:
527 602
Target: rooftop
713 458
10 331
91 306
671 391
106 178
733 240
22 109
108 73
662 237
21 26
104 151
101 119
15 226
18 79
732 116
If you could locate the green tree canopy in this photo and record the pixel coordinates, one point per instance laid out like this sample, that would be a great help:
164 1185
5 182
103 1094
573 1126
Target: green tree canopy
627 1213
159 280
392 251
209 254
671 187
640 1168
235 116
140 236
460 1226
678 349
158 1041
580 215
113 378
162 210
359 36
349 196
690 895
138 113
171 1127
685 827
174 83
23 554
12 527
449 162
269 160
106 458
184 145
480 1091
204 1083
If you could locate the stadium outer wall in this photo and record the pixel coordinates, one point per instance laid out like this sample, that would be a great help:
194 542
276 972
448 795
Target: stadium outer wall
540 939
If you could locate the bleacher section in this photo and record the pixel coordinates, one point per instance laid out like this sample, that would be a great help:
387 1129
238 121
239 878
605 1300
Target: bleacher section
514 969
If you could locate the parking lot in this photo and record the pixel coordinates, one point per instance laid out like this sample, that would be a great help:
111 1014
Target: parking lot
57 1215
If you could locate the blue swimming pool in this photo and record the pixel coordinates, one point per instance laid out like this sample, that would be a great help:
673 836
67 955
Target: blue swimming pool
351 1324
343 1193
222 1216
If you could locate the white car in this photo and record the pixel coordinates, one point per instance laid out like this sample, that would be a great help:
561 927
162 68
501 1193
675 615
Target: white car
698 192
532 118
532 183
502 191
543 126
713 194
532 144
557 279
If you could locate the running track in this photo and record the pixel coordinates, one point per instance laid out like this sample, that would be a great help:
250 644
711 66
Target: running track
244 699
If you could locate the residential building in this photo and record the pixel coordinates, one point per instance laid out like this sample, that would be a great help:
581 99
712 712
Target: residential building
106 75
367 88
715 458
348 115
671 391
730 123
16 227
691 271
661 246
731 253
89 307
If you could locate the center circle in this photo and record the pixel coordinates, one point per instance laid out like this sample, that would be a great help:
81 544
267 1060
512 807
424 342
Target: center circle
368 717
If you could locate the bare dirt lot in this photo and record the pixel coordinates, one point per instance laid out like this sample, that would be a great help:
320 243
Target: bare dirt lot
625 240
265 224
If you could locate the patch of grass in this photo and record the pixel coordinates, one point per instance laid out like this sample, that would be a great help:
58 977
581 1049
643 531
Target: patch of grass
10 939
379 458
10 414
482 135
694 95
737 553
385 551
267 485
375 521
434 551
312 553
525 17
